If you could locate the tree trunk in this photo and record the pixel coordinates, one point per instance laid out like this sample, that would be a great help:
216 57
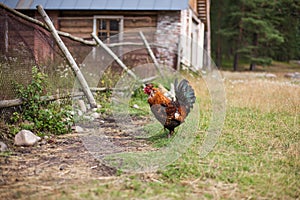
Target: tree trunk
252 66
235 61
239 44
219 41
254 52
219 53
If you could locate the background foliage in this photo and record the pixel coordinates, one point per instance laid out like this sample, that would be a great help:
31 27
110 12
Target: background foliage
255 32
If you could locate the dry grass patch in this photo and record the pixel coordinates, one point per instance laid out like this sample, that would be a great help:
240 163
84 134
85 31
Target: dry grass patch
265 95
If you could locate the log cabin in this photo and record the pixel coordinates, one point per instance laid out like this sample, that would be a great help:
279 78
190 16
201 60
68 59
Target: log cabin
186 22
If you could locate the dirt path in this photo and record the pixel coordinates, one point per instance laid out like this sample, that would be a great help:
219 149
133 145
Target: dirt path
60 161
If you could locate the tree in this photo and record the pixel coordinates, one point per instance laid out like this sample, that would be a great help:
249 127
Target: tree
288 13
217 22
232 29
259 26
257 30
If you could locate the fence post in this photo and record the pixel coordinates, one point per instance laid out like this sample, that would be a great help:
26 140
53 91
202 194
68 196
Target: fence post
85 88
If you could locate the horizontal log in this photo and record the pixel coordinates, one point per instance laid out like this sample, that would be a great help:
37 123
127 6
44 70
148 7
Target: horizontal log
10 103
18 102
139 23
75 23
72 30
83 35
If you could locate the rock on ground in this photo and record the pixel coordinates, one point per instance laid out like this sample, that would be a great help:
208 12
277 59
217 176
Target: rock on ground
269 75
3 147
78 129
26 138
295 75
95 115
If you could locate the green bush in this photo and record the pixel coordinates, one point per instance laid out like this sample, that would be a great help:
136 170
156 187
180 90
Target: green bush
46 116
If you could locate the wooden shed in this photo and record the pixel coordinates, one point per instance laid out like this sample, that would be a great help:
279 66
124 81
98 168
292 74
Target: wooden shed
185 21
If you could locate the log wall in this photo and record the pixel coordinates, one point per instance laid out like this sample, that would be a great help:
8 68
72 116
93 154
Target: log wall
81 23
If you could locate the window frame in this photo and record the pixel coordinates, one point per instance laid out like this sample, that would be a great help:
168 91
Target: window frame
108 17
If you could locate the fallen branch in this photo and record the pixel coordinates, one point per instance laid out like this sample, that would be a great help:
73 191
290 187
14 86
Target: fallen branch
10 103
18 102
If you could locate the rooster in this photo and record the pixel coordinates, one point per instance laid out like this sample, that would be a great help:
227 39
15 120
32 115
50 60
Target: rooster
171 112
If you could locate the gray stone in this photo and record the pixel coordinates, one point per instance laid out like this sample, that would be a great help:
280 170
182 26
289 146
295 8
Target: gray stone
79 112
3 147
95 115
289 75
82 105
78 129
269 75
295 75
88 118
26 138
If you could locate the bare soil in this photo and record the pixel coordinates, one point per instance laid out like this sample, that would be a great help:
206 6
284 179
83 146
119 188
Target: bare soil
59 162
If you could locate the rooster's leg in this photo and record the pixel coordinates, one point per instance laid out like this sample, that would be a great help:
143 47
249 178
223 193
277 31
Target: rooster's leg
171 133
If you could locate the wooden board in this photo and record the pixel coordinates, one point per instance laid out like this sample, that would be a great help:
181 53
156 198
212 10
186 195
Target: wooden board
75 23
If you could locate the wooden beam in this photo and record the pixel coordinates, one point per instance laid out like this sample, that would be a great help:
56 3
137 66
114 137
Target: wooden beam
151 54
117 59
73 64
17 102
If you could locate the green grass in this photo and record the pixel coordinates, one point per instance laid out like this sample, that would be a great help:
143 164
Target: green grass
256 157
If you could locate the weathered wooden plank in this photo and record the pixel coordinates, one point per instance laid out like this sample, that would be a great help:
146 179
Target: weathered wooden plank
17 102
83 35
139 23
72 30
10 103
76 23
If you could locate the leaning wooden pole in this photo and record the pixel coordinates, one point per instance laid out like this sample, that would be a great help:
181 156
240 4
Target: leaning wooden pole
151 54
85 88
117 59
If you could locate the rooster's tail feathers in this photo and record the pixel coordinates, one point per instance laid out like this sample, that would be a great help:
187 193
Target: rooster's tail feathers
185 94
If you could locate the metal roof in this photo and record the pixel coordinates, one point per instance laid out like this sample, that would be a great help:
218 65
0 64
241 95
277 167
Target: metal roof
98 4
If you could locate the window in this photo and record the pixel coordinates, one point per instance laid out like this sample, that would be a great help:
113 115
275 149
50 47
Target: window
107 26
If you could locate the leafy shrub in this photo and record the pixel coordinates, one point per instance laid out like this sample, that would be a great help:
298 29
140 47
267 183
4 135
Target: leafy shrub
46 116
105 99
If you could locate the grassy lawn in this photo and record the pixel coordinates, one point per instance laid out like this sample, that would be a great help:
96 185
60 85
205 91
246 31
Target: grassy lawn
256 157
